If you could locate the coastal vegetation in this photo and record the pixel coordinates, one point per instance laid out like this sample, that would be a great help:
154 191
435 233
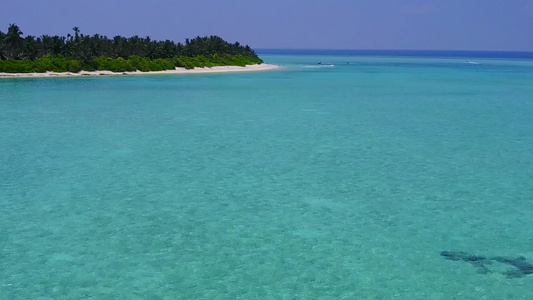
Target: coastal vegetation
77 52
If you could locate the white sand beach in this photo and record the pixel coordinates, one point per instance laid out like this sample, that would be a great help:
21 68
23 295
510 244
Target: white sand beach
220 69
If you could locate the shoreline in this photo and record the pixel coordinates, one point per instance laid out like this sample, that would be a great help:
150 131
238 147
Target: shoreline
205 70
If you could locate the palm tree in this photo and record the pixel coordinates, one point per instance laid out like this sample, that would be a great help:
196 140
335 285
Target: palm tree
76 30
3 50
13 41
30 49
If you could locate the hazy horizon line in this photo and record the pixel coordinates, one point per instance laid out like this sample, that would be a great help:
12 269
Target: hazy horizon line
376 49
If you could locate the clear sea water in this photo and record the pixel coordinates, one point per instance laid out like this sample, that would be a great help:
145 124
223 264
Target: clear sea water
343 180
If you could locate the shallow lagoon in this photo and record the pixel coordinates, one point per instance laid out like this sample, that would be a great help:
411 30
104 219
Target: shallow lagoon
301 183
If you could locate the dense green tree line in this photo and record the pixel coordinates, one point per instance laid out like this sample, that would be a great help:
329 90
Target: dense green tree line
83 52
133 63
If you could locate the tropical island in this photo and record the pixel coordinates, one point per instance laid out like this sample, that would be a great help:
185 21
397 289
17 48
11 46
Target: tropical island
77 53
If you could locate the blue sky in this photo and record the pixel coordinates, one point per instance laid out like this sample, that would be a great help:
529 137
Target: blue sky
333 24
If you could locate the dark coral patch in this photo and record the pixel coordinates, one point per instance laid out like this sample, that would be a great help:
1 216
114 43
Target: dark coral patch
522 266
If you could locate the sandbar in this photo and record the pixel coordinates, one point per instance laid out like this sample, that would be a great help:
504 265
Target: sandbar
219 69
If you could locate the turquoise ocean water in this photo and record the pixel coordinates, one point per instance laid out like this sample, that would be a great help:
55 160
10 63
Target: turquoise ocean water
343 180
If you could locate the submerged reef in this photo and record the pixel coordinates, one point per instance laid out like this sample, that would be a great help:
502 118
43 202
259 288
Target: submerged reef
524 268
477 261
480 262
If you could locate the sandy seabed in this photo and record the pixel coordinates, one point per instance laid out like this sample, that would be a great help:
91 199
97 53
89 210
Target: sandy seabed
220 69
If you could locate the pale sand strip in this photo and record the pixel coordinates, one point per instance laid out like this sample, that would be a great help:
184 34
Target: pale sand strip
221 69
